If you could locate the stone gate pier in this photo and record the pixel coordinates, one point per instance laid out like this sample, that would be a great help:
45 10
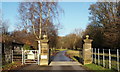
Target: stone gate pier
44 57
87 47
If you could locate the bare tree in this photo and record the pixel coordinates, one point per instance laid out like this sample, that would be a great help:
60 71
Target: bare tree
38 18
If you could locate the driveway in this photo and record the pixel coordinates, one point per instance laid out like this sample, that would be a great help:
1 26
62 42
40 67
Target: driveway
61 57
60 63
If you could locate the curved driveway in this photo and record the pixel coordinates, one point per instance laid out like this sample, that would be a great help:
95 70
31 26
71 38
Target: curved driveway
61 57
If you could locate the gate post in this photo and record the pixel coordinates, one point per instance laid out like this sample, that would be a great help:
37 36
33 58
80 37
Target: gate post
39 51
44 57
22 56
87 54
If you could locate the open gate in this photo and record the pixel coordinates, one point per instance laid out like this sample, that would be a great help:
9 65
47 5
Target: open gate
30 57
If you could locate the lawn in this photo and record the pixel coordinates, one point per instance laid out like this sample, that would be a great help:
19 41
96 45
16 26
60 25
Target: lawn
60 49
73 53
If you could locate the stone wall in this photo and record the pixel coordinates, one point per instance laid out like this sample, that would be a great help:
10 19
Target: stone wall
6 53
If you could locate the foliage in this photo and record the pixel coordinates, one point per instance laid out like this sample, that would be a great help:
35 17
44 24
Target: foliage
71 41
26 47
24 37
104 27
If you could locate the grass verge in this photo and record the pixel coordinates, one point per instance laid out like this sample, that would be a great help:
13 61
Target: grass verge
113 63
72 53
60 49
97 68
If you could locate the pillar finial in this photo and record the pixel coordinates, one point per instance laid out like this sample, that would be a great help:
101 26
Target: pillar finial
87 36
45 36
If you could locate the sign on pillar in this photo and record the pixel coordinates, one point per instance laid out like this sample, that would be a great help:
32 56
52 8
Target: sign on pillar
87 54
44 57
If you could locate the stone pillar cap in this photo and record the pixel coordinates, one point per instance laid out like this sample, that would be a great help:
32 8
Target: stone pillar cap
87 40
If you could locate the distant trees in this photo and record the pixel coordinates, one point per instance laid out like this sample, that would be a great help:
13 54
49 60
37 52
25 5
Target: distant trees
104 28
23 37
4 30
71 41
4 24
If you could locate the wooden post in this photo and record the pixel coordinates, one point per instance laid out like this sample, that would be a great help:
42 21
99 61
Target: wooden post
95 55
118 60
38 56
12 56
22 57
109 59
103 59
92 56
98 57
39 51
